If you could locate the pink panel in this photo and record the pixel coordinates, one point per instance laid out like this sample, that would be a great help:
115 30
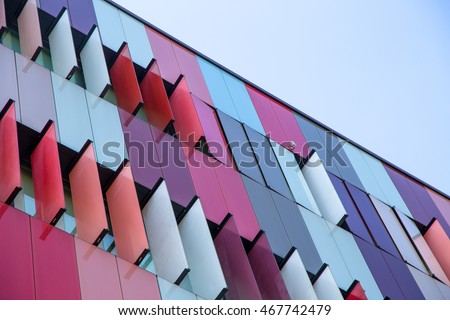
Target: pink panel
55 264
29 30
126 219
212 130
156 104
136 283
99 277
235 265
237 201
189 67
266 271
9 153
16 258
187 125
357 293
125 83
443 204
2 15
163 52
87 197
291 128
47 179
439 243
206 184
267 116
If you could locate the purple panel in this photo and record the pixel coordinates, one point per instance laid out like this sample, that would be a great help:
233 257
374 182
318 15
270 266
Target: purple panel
373 221
16 262
354 220
380 270
141 150
82 15
235 265
174 167
403 277
266 271
53 7
8 79
401 182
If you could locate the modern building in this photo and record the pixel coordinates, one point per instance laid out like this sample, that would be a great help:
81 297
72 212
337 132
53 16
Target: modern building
134 167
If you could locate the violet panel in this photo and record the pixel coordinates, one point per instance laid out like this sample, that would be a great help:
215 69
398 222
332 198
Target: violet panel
380 270
235 265
442 203
82 15
373 221
16 258
55 264
403 277
53 7
8 79
267 274
354 220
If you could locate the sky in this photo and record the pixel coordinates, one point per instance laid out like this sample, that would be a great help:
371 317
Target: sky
376 71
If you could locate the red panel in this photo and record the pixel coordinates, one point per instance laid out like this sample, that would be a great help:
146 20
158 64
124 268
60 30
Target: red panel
99 277
267 115
125 83
9 153
357 293
16 258
443 204
187 125
126 218
266 271
163 52
87 197
235 265
213 133
207 185
439 244
55 265
189 67
156 104
136 283
47 179
237 201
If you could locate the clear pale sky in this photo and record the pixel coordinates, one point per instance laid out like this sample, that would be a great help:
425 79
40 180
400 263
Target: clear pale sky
377 71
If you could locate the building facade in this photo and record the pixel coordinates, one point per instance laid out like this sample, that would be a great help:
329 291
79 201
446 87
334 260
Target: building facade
133 167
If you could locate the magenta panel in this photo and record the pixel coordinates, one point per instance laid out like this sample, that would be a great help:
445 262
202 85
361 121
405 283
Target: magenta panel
137 283
163 52
235 265
55 264
16 258
238 202
266 271
189 67
99 277
47 179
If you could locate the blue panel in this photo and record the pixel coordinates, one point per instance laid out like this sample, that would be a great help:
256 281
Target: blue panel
109 23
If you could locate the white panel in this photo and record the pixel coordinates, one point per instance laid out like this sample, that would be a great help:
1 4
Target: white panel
355 262
326 288
95 71
397 233
170 291
426 284
163 235
297 280
322 189
62 49
206 274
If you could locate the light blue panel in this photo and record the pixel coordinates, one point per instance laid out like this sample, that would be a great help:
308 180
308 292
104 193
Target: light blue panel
108 19
294 178
327 248
69 223
387 186
107 131
426 284
218 88
242 103
170 291
136 36
72 113
363 171
355 261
